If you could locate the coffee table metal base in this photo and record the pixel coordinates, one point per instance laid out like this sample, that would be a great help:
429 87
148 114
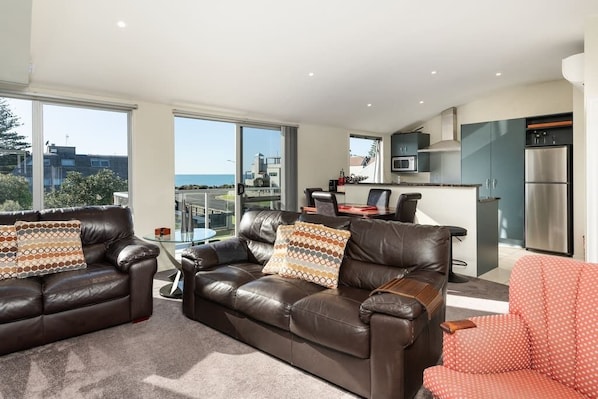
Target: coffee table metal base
173 290
168 292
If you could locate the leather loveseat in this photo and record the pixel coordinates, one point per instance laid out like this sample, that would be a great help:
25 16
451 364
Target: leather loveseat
114 288
376 346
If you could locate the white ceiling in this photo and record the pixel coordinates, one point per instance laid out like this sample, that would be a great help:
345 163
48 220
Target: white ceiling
253 57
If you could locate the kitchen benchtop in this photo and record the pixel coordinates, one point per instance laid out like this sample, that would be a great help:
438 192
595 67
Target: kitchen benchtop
431 185
416 184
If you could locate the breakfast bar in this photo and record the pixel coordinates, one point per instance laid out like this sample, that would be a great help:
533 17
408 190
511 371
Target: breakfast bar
449 205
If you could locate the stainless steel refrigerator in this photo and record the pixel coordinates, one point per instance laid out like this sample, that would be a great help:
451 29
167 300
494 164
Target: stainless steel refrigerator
548 199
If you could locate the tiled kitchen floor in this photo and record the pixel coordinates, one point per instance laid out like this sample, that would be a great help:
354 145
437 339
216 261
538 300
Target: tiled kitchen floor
507 256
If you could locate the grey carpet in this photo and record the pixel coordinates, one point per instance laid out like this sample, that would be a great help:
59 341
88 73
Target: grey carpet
168 356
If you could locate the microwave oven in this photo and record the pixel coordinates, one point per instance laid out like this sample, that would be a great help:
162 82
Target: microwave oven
404 164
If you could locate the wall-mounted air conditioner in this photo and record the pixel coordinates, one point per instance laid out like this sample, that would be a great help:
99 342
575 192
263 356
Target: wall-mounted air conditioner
573 69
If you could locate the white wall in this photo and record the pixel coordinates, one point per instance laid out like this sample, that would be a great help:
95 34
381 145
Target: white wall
591 108
152 171
321 153
579 175
530 100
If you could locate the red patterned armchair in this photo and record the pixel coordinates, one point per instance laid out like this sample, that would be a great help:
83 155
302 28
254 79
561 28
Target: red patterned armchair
545 347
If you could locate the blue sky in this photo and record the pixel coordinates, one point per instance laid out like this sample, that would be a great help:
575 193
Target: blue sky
91 131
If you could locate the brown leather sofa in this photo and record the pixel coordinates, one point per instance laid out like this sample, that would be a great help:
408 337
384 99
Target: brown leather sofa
115 288
375 346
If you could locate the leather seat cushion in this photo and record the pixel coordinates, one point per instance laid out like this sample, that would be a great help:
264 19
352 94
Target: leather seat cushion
269 299
220 285
20 299
331 318
75 289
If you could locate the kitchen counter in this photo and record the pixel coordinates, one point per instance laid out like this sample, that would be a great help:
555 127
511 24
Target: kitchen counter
449 205
416 184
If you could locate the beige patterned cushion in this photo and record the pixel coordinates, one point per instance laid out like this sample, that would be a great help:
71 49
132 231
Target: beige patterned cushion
48 247
8 252
315 253
283 234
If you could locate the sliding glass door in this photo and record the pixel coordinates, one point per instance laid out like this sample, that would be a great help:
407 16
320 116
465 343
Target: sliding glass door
260 177
223 168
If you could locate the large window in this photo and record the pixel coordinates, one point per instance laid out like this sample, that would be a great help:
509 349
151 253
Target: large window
365 158
223 168
58 155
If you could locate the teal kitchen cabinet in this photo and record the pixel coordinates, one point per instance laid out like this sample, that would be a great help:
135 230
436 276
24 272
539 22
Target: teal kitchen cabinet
408 144
492 155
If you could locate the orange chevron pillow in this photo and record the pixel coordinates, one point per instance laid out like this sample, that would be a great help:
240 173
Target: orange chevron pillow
48 247
279 254
315 253
8 252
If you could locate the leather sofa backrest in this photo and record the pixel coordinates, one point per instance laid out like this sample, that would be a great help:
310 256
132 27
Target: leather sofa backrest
12 217
379 250
99 224
258 229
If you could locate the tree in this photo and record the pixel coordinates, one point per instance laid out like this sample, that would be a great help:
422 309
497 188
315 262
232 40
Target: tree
14 192
10 141
77 190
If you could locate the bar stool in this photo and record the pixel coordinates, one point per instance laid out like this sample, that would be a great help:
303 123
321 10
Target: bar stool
452 277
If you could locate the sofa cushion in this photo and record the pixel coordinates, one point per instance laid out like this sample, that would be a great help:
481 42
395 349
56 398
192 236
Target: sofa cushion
8 252
48 247
21 299
315 253
331 318
75 289
279 254
220 284
269 299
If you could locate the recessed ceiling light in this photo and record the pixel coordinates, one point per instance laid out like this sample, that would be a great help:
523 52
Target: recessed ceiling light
369 104
498 73
434 72
421 101
310 74
121 24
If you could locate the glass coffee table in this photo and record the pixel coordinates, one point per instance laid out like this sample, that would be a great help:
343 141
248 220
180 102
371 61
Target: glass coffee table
197 236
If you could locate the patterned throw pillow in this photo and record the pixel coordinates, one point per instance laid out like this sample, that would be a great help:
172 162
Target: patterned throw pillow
283 234
8 252
48 247
315 253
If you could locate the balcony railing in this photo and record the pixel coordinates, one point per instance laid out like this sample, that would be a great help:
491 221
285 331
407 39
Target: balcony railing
214 208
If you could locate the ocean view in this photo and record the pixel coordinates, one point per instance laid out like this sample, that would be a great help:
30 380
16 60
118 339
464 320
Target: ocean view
203 180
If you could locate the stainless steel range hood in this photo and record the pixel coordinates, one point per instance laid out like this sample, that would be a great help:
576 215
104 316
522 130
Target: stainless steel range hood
448 133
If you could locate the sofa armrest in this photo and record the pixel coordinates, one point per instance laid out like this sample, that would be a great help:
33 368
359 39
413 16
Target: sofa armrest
392 305
127 251
206 256
401 306
498 343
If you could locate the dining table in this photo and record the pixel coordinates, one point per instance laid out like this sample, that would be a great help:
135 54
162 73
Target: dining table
359 210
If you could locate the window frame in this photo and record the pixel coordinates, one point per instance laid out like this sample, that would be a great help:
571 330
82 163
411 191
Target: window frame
37 140
380 175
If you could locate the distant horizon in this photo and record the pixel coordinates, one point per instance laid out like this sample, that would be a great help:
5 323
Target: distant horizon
204 179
